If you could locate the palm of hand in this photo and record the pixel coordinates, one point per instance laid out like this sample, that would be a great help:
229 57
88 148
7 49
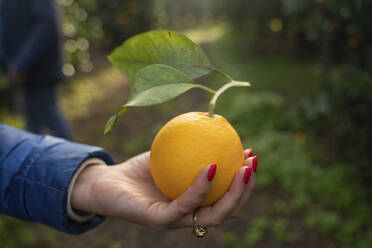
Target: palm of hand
130 186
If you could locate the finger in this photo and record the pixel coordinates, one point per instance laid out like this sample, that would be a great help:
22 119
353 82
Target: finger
219 211
248 191
193 196
251 182
254 163
248 153
249 161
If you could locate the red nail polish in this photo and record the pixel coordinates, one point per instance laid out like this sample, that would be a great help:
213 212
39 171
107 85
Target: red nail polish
250 153
254 163
211 172
247 174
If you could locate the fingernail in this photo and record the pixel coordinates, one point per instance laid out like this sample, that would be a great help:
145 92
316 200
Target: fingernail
247 174
254 163
211 172
250 153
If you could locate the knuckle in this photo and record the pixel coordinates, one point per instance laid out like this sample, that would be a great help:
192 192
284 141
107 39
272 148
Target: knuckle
183 209
234 198
199 195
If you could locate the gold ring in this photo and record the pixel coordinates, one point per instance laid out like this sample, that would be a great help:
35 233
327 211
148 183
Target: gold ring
198 231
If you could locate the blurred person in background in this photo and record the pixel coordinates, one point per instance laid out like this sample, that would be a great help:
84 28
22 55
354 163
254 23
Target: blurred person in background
2 56
30 51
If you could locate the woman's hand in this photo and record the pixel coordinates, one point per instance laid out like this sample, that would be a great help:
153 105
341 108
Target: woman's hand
127 191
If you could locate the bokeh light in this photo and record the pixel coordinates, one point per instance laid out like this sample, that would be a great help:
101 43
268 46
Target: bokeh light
81 14
68 29
70 45
276 25
68 70
66 2
83 44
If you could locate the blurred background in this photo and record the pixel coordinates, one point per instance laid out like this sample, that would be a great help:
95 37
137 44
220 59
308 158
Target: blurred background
308 114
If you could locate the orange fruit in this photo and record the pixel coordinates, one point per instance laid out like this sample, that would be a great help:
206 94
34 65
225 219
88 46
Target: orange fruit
188 143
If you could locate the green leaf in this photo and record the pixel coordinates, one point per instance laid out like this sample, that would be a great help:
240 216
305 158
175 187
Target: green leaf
113 119
160 47
110 124
157 84
122 110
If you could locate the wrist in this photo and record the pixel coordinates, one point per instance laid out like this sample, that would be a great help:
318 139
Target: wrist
82 195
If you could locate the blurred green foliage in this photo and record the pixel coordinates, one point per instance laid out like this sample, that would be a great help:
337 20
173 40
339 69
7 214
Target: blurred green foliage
324 222
280 230
180 14
115 244
14 234
334 30
7 118
230 239
256 231
344 103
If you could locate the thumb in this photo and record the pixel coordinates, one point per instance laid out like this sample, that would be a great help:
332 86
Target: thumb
194 195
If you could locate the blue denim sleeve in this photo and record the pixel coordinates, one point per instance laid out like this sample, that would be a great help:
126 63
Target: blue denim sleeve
35 172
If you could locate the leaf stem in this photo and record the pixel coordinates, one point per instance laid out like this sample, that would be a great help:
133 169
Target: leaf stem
221 73
221 90
206 88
